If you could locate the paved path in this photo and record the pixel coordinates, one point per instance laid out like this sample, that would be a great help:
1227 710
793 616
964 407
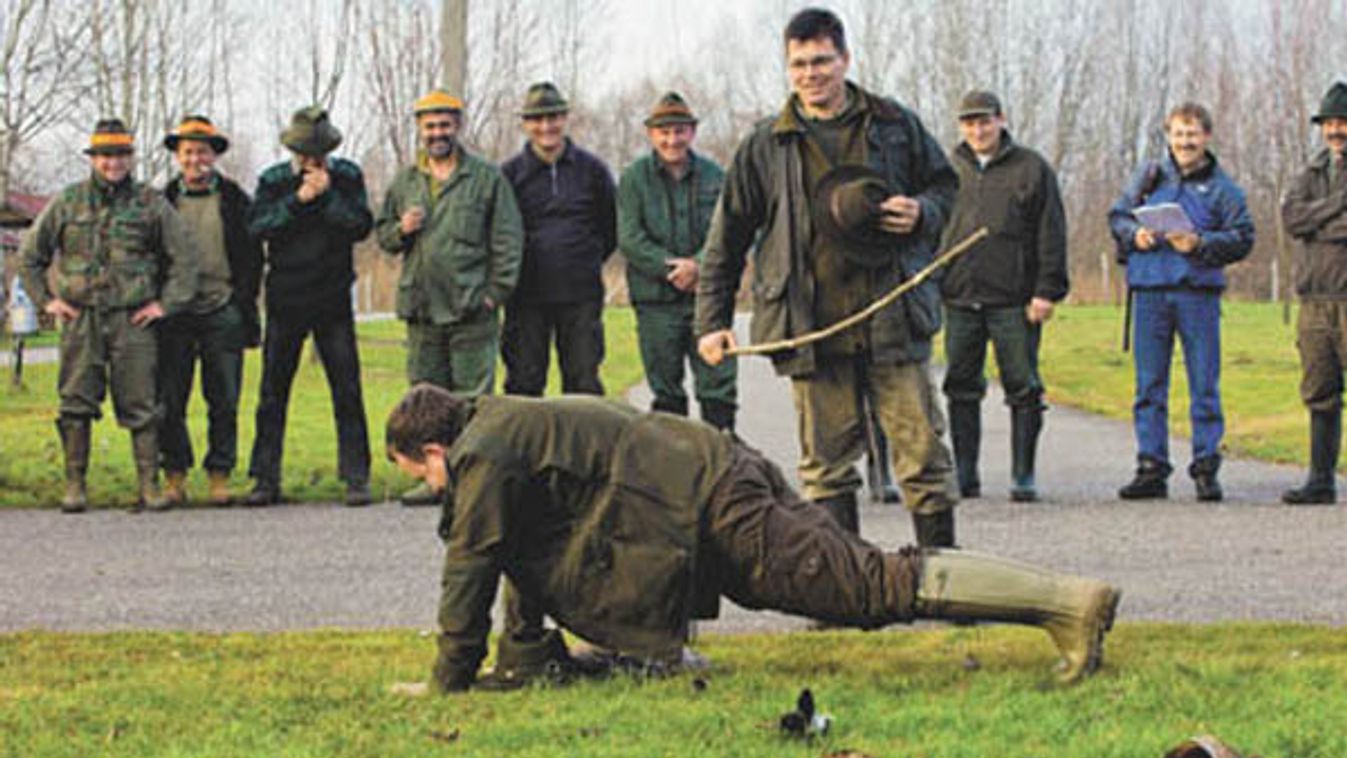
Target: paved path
309 566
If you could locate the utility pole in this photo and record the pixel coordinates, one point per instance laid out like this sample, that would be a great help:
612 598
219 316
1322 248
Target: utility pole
454 45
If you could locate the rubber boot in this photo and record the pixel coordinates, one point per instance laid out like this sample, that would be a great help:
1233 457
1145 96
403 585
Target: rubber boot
1203 472
145 446
1025 424
75 443
934 529
175 487
1076 612
1149 482
965 432
1321 487
718 414
421 495
218 492
843 510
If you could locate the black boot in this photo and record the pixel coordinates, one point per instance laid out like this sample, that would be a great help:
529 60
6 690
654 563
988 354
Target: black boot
843 510
1025 424
1149 482
1203 471
934 529
965 431
718 414
676 406
1325 441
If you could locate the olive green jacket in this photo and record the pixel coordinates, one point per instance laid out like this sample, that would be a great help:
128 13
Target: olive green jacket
659 218
590 507
468 250
120 247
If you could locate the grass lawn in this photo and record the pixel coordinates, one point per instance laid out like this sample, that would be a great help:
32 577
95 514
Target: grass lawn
1274 690
1084 367
32 472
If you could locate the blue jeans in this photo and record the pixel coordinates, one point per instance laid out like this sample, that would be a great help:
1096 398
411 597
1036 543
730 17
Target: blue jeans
1196 316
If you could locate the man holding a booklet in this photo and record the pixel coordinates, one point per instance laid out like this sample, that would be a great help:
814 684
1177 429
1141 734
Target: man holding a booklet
1179 222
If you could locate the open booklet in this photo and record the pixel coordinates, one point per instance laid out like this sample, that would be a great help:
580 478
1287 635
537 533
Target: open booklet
1164 218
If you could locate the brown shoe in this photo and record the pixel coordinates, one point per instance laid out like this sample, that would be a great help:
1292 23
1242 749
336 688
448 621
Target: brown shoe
219 489
175 487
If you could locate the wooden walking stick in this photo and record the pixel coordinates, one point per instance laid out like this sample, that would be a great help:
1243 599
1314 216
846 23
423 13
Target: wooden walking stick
908 285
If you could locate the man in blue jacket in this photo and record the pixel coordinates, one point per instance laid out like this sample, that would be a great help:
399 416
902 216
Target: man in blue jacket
1176 277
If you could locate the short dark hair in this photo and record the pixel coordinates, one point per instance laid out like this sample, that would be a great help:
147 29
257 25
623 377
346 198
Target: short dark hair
815 23
426 414
1191 111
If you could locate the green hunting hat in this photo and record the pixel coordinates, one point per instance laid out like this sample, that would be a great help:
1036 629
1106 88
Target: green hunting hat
543 99
846 208
110 137
311 132
1334 104
979 103
671 109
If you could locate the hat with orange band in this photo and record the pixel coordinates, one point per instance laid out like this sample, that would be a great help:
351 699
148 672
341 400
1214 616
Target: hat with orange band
199 128
110 137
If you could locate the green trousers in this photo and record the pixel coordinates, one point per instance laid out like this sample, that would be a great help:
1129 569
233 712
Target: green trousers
458 357
667 345
102 347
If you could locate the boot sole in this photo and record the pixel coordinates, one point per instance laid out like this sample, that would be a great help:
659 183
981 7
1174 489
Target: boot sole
1102 622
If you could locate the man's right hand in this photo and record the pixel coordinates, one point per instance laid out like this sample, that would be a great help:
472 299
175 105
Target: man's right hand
712 346
1144 239
316 182
62 310
413 220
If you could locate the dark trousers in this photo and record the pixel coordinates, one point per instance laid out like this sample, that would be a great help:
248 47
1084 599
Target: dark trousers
1015 340
333 330
772 549
1194 316
216 340
529 332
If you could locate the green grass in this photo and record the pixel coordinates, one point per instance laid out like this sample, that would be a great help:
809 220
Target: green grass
1275 690
1084 367
31 469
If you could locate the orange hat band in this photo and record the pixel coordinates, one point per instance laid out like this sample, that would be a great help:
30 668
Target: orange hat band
196 129
111 140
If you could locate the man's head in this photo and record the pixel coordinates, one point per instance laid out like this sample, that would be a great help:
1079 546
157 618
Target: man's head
311 135
1332 118
421 428
110 150
543 117
817 59
438 117
671 128
1188 130
195 145
981 122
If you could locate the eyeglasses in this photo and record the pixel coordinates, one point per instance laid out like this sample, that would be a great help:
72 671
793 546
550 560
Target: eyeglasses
801 65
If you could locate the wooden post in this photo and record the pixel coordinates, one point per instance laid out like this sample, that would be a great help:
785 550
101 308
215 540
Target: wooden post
454 45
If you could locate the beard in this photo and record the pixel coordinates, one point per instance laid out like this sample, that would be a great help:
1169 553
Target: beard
440 147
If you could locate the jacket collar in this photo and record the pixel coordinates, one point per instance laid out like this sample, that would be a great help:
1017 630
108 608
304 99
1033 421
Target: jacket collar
1321 159
533 163
1202 174
788 120
1007 146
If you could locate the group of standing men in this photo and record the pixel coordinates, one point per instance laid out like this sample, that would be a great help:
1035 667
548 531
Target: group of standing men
837 199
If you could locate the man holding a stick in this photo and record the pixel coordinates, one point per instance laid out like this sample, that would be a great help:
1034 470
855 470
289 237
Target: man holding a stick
841 197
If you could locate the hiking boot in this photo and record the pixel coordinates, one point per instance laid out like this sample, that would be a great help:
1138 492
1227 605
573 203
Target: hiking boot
145 444
965 432
1025 424
421 495
357 495
934 529
264 493
175 487
218 492
75 444
1150 481
1321 487
1203 471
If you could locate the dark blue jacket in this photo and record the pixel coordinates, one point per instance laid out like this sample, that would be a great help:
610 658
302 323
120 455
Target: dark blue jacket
570 224
1216 206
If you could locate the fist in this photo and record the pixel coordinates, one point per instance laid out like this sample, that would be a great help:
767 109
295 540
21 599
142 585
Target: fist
413 220
1144 239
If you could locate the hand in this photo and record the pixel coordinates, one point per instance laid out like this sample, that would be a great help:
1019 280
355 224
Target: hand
1038 311
316 182
901 215
1144 239
413 220
147 314
1184 242
712 346
62 310
682 274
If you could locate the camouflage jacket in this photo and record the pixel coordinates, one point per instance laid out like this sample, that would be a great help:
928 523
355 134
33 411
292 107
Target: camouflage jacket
120 247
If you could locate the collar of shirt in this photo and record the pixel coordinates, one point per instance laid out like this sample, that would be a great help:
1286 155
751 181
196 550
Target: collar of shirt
212 186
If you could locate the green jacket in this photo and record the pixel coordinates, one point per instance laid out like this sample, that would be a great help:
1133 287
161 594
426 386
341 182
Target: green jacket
765 209
1315 213
121 247
588 506
659 218
469 249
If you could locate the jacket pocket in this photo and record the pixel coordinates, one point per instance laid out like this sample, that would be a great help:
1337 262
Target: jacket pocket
467 223
131 240
74 280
